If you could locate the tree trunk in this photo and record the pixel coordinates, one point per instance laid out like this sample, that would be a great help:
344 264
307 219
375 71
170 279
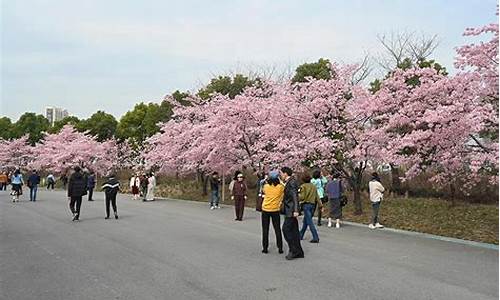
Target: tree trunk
358 205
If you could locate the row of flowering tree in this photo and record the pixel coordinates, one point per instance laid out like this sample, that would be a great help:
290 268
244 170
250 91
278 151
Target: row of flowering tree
61 151
420 119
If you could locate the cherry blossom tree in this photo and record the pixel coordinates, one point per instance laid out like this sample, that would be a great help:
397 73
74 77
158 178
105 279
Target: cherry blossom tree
61 151
16 153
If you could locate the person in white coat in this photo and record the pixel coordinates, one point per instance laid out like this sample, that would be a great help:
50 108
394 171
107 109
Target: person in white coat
150 196
376 195
135 184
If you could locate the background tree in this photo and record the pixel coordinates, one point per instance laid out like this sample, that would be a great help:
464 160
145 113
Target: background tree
6 128
100 124
58 125
32 124
317 70
16 153
225 85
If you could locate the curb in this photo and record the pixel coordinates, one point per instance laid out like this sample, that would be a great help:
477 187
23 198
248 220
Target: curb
399 231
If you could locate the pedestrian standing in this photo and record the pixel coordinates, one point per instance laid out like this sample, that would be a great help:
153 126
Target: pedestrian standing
3 181
111 188
319 182
150 195
290 208
135 184
235 179
33 182
77 188
214 187
144 186
91 185
64 180
17 182
239 195
309 199
51 181
272 193
376 195
334 191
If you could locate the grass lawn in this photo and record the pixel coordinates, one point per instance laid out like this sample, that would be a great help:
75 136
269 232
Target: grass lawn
474 222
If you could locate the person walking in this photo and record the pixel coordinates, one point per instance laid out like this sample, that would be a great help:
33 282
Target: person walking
91 185
135 184
309 199
150 195
51 181
239 195
3 181
77 188
214 187
376 190
334 192
33 182
272 193
111 188
17 182
290 208
319 181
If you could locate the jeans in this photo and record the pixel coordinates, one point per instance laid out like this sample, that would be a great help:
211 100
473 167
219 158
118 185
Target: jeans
50 185
275 216
291 233
214 200
33 190
91 192
3 186
308 221
375 209
75 201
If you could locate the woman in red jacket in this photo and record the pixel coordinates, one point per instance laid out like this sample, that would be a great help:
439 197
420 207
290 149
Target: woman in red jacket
239 195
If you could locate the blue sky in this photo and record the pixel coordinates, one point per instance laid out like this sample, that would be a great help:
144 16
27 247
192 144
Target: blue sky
110 54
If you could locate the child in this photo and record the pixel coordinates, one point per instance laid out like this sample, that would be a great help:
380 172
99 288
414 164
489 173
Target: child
111 188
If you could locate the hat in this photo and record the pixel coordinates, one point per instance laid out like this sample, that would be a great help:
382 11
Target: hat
273 174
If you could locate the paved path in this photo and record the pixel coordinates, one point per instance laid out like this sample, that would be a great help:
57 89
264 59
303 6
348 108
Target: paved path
181 250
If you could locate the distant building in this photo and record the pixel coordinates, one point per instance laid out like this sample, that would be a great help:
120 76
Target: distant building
54 114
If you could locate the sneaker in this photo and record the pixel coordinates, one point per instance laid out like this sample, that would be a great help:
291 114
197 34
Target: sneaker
217 207
378 225
337 225
116 216
329 224
371 226
74 217
212 207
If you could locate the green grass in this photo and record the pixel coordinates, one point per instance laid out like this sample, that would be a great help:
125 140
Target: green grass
475 222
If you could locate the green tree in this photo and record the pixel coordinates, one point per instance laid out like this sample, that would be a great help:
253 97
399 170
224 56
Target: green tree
32 124
6 128
181 97
226 85
318 70
142 122
100 124
58 125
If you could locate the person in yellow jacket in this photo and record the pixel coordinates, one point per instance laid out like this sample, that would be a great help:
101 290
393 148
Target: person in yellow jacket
273 192
309 198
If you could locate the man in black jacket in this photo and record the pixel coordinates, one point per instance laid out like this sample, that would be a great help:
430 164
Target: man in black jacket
291 212
111 188
77 188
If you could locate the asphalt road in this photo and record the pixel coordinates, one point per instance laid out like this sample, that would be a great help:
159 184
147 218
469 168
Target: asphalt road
181 250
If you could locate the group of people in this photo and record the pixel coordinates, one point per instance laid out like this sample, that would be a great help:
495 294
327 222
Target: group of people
143 186
279 193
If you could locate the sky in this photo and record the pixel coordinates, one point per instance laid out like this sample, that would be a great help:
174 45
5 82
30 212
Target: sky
111 54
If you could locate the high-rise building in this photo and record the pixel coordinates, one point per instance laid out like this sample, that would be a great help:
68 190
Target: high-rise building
54 114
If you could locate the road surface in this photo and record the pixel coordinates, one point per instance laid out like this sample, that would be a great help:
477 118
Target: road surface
182 250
